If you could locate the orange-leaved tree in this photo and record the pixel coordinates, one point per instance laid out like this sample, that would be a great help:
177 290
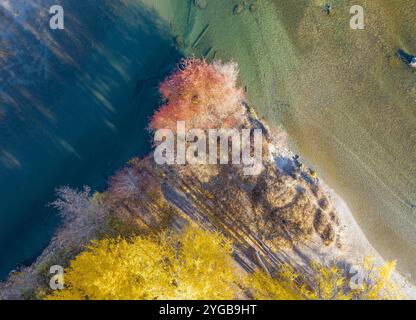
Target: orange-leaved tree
203 95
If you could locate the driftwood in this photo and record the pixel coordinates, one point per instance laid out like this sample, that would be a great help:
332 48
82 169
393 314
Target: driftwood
201 35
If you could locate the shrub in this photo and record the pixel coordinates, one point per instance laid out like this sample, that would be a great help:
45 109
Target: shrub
84 216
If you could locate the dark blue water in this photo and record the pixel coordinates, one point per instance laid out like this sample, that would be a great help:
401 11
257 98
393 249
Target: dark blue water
74 106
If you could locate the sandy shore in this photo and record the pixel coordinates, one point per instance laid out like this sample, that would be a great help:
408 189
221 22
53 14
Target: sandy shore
355 244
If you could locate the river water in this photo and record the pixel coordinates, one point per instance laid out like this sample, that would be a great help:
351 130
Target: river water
74 106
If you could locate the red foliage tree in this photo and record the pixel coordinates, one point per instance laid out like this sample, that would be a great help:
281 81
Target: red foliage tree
201 94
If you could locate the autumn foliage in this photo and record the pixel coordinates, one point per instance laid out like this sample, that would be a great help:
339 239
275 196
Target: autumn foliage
201 94
194 265
328 282
136 201
198 265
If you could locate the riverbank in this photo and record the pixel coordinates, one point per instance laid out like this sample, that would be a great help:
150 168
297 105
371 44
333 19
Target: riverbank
357 246
343 96
172 197
354 247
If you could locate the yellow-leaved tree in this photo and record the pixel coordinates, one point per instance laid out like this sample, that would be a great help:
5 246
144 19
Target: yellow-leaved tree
328 283
283 287
378 283
196 264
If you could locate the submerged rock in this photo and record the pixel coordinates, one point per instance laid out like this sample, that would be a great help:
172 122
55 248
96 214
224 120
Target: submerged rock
201 4
238 9
179 41
409 59
327 8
